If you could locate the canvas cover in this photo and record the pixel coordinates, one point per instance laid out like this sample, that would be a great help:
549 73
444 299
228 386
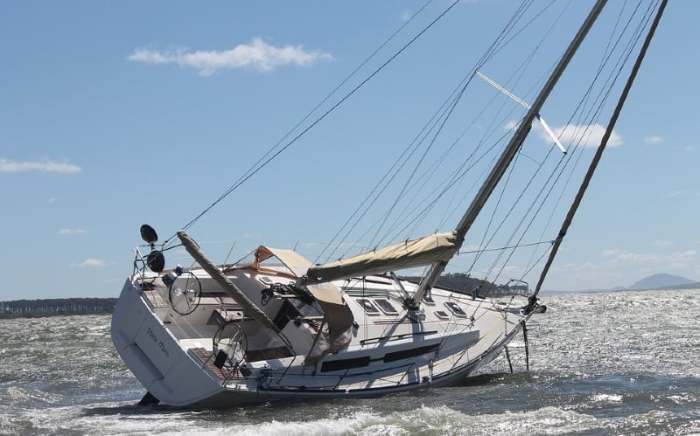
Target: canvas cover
337 314
408 254
249 308
295 262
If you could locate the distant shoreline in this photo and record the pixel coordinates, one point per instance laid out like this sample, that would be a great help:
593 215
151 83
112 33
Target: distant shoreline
105 306
56 307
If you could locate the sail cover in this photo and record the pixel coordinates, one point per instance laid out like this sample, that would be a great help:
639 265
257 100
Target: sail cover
295 262
408 254
337 314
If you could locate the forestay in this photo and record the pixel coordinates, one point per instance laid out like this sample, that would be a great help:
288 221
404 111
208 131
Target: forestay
408 254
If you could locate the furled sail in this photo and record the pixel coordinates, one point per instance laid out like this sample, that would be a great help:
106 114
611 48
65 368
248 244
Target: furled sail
408 254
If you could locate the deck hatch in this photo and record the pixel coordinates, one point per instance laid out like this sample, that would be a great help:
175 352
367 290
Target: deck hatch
442 314
385 306
455 309
367 305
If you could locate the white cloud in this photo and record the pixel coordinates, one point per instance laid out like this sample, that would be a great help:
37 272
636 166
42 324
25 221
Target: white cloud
52 200
589 135
585 135
676 193
689 148
257 55
46 166
654 139
662 243
92 262
71 232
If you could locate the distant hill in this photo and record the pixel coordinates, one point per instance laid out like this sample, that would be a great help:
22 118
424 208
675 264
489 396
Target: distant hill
661 281
465 284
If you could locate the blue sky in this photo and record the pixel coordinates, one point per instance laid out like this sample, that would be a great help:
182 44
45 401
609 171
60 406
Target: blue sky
112 115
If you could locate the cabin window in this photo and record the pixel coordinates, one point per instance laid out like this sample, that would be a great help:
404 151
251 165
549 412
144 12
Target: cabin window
385 306
442 314
456 309
367 305
345 364
411 352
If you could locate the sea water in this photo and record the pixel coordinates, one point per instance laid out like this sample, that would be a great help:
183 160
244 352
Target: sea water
601 363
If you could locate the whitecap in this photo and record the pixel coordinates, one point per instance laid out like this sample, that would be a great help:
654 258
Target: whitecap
607 398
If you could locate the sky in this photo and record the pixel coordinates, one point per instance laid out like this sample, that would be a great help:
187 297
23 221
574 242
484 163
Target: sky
117 114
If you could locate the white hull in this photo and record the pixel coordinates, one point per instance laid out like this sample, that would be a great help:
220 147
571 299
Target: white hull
171 354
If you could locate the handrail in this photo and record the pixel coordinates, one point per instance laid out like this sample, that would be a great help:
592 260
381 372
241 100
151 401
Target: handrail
397 337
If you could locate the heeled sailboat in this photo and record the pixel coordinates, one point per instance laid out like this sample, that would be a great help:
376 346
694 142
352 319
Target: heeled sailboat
275 326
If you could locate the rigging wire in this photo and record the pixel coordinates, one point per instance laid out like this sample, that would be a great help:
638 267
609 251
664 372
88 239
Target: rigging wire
633 42
428 174
392 172
544 187
660 7
534 87
493 48
531 244
601 102
607 52
578 107
517 75
540 164
261 164
338 87
435 136
579 155
459 174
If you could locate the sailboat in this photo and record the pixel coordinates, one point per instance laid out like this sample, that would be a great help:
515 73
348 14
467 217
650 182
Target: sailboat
276 326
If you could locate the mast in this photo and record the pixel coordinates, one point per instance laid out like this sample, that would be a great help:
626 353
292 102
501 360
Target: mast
599 152
508 154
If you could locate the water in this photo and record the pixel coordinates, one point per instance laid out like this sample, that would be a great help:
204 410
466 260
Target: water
608 363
